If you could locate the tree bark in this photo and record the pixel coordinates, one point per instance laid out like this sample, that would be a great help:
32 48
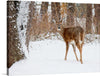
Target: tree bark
97 17
89 19
44 9
70 14
55 7
31 22
13 45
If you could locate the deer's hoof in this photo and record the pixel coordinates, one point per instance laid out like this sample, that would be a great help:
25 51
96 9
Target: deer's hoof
65 59
77 59
81 61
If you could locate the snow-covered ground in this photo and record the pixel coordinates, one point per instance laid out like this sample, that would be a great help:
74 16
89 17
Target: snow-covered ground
47 57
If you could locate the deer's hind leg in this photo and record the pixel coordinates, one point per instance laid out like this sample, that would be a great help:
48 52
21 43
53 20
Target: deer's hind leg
67 47
79 46
74 49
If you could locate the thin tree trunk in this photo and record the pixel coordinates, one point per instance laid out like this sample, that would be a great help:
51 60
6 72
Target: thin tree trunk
44 9
31 22
55 7
97 17
89 19
70 14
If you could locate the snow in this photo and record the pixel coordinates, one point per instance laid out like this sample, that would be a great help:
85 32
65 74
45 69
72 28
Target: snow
47 57
22 19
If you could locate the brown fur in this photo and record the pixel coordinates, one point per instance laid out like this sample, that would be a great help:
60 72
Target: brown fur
75 33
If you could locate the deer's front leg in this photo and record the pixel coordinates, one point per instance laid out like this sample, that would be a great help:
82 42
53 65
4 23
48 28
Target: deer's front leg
67 47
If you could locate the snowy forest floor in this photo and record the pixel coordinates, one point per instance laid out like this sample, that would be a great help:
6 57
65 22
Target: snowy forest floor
47 57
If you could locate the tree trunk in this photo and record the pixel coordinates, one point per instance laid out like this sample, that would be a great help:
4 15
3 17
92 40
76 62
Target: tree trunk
31 22
89 19
44 9
70 14
55 7
13 45
63 10
81 10
97 17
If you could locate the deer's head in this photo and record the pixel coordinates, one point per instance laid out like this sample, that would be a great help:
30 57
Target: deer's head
59 26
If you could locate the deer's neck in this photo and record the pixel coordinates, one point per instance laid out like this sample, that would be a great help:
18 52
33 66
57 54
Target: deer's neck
61 32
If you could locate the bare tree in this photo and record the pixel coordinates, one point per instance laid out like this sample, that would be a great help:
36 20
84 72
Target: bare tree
13 45
44 8
55 7
31 22
89 18
97 17
81 10
70 14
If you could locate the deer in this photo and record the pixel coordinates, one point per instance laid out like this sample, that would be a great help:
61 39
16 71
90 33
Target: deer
70 34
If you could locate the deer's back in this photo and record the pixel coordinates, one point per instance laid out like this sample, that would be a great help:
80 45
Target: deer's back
73 33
